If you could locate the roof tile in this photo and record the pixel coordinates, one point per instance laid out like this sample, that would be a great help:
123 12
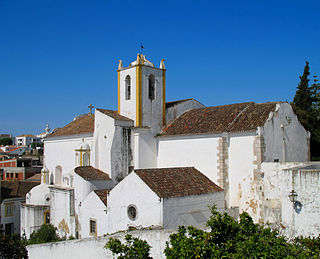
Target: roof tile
90 173
177 182
84 124
227 118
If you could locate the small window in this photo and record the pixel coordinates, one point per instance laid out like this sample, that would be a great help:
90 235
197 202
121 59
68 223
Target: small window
47 217
151 87
17 175
276 160
132 212
128 87
93 227
8 209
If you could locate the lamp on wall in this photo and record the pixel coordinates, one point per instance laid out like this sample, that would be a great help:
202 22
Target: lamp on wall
293 196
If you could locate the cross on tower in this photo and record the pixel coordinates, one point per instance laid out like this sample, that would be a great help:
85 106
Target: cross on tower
90 107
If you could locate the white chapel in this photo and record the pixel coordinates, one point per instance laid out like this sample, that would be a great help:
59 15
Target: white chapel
158 164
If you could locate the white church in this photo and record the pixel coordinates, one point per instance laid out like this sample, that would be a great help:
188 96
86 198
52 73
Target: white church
158 164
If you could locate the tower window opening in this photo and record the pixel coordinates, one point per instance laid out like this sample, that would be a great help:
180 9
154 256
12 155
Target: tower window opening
151 87
128 87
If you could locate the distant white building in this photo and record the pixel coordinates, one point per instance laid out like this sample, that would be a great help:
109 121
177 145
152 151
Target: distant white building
26 140
225 144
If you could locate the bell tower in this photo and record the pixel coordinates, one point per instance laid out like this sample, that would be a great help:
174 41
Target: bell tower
141 93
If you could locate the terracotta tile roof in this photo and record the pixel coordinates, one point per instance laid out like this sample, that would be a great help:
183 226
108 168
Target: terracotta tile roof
90 173
13 189
103 195
27 135
35 177
114 114
177 182
227 118
84 124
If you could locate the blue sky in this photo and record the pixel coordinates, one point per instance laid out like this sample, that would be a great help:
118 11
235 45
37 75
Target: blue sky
58 56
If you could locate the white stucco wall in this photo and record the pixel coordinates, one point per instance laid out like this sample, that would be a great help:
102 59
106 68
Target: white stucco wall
94 247
152 110
133 191
61 206
285 141
303 218
93 208
32 217
198 151
240 170
145 148
190 210
110 152
60 151
102 142
272 185
128 107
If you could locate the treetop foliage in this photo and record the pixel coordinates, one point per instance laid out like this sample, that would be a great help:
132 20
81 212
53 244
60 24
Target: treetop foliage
306 105
12 247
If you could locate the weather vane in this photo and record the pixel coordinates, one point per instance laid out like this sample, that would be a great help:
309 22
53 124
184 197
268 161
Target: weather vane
141 47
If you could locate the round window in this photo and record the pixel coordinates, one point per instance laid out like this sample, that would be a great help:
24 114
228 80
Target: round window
132 212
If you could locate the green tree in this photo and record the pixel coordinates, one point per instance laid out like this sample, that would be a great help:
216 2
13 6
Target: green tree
303 97
306 105
46 233
134 248
12 247
226 238
6 141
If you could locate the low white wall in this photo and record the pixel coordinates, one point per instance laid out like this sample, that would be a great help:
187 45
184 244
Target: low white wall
94 247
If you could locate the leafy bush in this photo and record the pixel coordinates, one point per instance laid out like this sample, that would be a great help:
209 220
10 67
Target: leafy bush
227 238
12 247
134 248
47 233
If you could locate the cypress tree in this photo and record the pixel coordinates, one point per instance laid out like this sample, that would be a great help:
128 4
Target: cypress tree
303 98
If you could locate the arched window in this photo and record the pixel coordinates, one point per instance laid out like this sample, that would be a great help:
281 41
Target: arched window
151 87
58 175
128 87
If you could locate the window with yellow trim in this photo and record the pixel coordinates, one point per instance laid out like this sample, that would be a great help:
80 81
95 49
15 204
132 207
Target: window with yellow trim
46 215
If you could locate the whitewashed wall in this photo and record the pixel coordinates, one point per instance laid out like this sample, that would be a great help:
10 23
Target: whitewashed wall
198 151
303 218
145 149
148 204
190 210
60 151
240 163
94 247
60 211
103 138
272 184
128 107
152 110
93 208
295 146
32 217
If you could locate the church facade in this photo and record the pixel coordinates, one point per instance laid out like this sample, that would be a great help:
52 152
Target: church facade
113 170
